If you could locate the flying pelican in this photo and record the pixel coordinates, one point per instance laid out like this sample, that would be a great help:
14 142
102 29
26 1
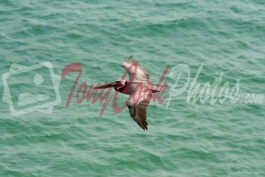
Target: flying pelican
138 87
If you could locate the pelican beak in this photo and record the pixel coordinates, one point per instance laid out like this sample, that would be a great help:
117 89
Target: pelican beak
112 84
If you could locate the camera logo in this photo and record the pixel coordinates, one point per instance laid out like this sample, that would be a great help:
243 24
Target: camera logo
31 88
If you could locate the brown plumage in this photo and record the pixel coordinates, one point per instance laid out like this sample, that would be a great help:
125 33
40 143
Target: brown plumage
138 87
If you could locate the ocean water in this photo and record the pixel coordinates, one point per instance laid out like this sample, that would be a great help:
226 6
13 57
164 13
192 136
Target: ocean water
185 137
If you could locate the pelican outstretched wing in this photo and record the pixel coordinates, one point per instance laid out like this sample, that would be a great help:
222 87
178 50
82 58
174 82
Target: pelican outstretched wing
135 70
138 107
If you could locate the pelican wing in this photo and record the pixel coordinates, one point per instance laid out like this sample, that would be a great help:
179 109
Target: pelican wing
138 107
135 70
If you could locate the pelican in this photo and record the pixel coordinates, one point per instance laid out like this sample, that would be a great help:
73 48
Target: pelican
138 87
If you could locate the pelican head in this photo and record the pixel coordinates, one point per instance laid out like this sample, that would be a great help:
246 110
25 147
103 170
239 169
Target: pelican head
118 84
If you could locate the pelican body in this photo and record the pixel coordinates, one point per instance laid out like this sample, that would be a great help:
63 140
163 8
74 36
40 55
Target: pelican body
138 87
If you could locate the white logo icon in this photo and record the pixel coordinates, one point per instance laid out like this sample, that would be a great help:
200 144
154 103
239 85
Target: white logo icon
38 84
